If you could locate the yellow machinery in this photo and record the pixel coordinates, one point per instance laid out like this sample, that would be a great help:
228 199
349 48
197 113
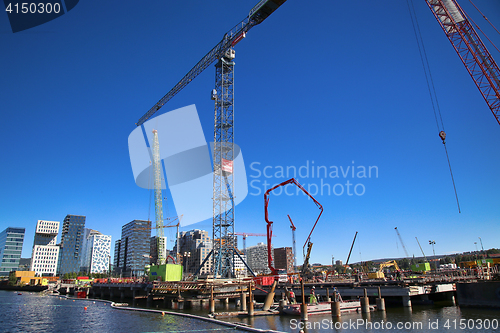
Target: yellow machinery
380 273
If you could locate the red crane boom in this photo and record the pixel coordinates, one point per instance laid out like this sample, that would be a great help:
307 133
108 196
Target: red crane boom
471 50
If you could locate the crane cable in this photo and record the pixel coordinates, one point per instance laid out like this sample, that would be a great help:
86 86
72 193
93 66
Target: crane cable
430 87
470 19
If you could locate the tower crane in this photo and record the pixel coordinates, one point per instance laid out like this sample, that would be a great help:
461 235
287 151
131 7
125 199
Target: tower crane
245 235
223 204
471 50
293 242
160 245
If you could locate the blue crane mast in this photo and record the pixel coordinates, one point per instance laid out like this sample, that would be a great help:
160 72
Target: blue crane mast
222 54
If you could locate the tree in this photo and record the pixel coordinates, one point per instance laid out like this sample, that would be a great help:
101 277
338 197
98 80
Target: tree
12 279
404 263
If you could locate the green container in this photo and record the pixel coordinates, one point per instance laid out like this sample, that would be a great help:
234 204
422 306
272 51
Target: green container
167 272
422 267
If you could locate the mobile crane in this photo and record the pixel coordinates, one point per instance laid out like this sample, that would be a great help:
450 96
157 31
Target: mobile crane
471 50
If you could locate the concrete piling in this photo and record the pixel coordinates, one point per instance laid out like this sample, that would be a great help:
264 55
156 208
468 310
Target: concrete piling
250 300
406 301
365 303
212 300
303 306
243 301
336 309
380 301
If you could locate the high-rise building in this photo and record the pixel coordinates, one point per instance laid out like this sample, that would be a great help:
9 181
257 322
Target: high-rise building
45 252
95 252
194 247
71 244
11 246
116 259
134 247
154 248
283 259
257 258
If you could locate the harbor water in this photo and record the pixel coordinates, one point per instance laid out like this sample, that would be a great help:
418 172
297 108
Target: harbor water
32 312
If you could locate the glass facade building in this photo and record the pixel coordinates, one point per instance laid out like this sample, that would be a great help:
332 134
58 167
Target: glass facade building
11 246
134 248
71 244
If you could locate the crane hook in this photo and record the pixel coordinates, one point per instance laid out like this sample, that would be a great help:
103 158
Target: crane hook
442 135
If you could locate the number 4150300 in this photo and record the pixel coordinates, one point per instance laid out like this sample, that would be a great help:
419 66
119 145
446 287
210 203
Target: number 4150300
33 8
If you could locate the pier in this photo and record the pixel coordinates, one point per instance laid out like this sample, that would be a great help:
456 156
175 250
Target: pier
183 294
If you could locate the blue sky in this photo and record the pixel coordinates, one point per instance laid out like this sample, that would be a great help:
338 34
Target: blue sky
334 84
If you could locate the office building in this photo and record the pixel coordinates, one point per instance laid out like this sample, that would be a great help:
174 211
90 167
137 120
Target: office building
240 270
257 258
71 244
11 246
134 247
116 258
96 252
45 253
194 247
283 259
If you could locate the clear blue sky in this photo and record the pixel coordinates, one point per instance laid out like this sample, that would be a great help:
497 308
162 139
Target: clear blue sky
334 83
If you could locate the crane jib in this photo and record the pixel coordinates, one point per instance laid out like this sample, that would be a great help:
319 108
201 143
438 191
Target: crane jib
258 14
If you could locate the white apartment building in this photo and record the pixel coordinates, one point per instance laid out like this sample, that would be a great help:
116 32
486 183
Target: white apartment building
45 251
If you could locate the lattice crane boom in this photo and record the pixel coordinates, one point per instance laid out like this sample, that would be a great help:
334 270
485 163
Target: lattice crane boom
258 14
160 246
292 226
471 50
402 243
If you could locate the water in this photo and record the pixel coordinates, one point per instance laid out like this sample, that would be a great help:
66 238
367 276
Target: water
31 312
418 319
36 313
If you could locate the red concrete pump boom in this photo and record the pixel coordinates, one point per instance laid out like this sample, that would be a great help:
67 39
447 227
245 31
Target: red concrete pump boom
270 223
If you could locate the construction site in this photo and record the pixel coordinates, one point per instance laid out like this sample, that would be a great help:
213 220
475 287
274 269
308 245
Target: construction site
224 274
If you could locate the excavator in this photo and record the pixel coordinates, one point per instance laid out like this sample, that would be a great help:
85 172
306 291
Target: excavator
380 273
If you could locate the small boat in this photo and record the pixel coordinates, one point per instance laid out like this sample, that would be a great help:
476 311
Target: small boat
81 294
19 293
322 307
